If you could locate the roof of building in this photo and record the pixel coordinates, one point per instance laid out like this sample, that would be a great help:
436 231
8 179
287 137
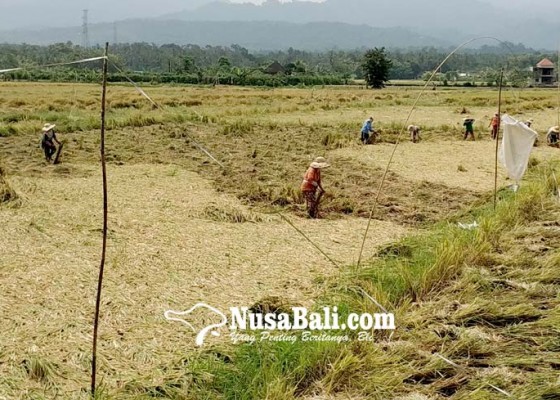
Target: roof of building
275 68
545 63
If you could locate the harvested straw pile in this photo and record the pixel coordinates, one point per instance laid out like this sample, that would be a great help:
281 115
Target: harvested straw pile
7 192
230 213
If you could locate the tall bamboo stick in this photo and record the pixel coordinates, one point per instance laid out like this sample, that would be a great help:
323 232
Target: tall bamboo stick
498 140
104 245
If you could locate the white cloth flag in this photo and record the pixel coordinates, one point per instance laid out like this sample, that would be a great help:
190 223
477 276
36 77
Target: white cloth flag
516 147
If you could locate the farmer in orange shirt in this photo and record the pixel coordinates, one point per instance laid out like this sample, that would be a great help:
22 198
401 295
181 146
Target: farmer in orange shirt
495 124
312 182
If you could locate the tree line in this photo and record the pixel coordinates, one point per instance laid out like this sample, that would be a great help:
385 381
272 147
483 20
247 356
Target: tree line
194 64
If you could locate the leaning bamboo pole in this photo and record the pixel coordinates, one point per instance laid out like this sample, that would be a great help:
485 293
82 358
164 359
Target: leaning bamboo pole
498 140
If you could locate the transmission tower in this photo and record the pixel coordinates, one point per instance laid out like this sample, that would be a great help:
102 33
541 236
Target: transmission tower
85 33
115 33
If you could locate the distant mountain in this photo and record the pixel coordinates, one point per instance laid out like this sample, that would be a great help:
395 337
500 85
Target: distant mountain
453 20
344 24
259 35
533 23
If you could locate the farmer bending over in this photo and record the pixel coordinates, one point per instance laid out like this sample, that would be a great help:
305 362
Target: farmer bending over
312 184
367 128
528 124
552 137
48 141
469 130
495 124
414 133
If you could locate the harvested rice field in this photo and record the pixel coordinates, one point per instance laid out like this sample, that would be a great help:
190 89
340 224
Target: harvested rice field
232 231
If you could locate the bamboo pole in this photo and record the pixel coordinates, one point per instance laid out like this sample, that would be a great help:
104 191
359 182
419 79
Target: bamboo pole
104 245
558 87
498 140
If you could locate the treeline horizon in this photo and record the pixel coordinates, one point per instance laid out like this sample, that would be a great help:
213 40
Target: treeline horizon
193 64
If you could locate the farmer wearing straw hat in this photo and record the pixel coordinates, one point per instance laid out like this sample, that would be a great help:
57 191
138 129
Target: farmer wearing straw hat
495 124
552 136
414 133
48 141
311 183
469 130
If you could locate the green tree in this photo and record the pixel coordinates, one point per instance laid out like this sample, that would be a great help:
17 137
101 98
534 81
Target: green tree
376 66
188 64
224 63
300 67
518 77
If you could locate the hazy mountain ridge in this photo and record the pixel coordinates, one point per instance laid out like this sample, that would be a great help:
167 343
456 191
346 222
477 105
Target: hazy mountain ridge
430 17
307 25
259 35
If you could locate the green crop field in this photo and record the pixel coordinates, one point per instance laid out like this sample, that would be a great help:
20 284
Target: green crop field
184 228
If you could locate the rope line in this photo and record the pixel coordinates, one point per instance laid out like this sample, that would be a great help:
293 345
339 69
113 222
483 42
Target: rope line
85 60
155 104
136 86
308 239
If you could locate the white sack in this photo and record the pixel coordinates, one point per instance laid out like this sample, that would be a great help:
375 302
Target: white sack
516 147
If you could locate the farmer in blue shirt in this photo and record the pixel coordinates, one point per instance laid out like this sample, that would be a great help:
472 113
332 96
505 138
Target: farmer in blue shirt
366 130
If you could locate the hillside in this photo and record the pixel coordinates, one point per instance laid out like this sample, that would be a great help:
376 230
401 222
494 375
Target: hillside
411 23
453 19
259 35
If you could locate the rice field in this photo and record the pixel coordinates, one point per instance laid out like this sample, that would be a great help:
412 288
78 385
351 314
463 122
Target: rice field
184 228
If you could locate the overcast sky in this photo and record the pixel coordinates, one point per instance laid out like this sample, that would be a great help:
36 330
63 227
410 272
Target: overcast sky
43 13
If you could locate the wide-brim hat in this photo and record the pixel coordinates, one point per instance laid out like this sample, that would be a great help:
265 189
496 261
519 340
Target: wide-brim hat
555 129
320 162
47 127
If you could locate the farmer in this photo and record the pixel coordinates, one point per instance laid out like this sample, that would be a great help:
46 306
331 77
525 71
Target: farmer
495 124
469 130
367 128
414 133
311 184
528 124
48 141
552 136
